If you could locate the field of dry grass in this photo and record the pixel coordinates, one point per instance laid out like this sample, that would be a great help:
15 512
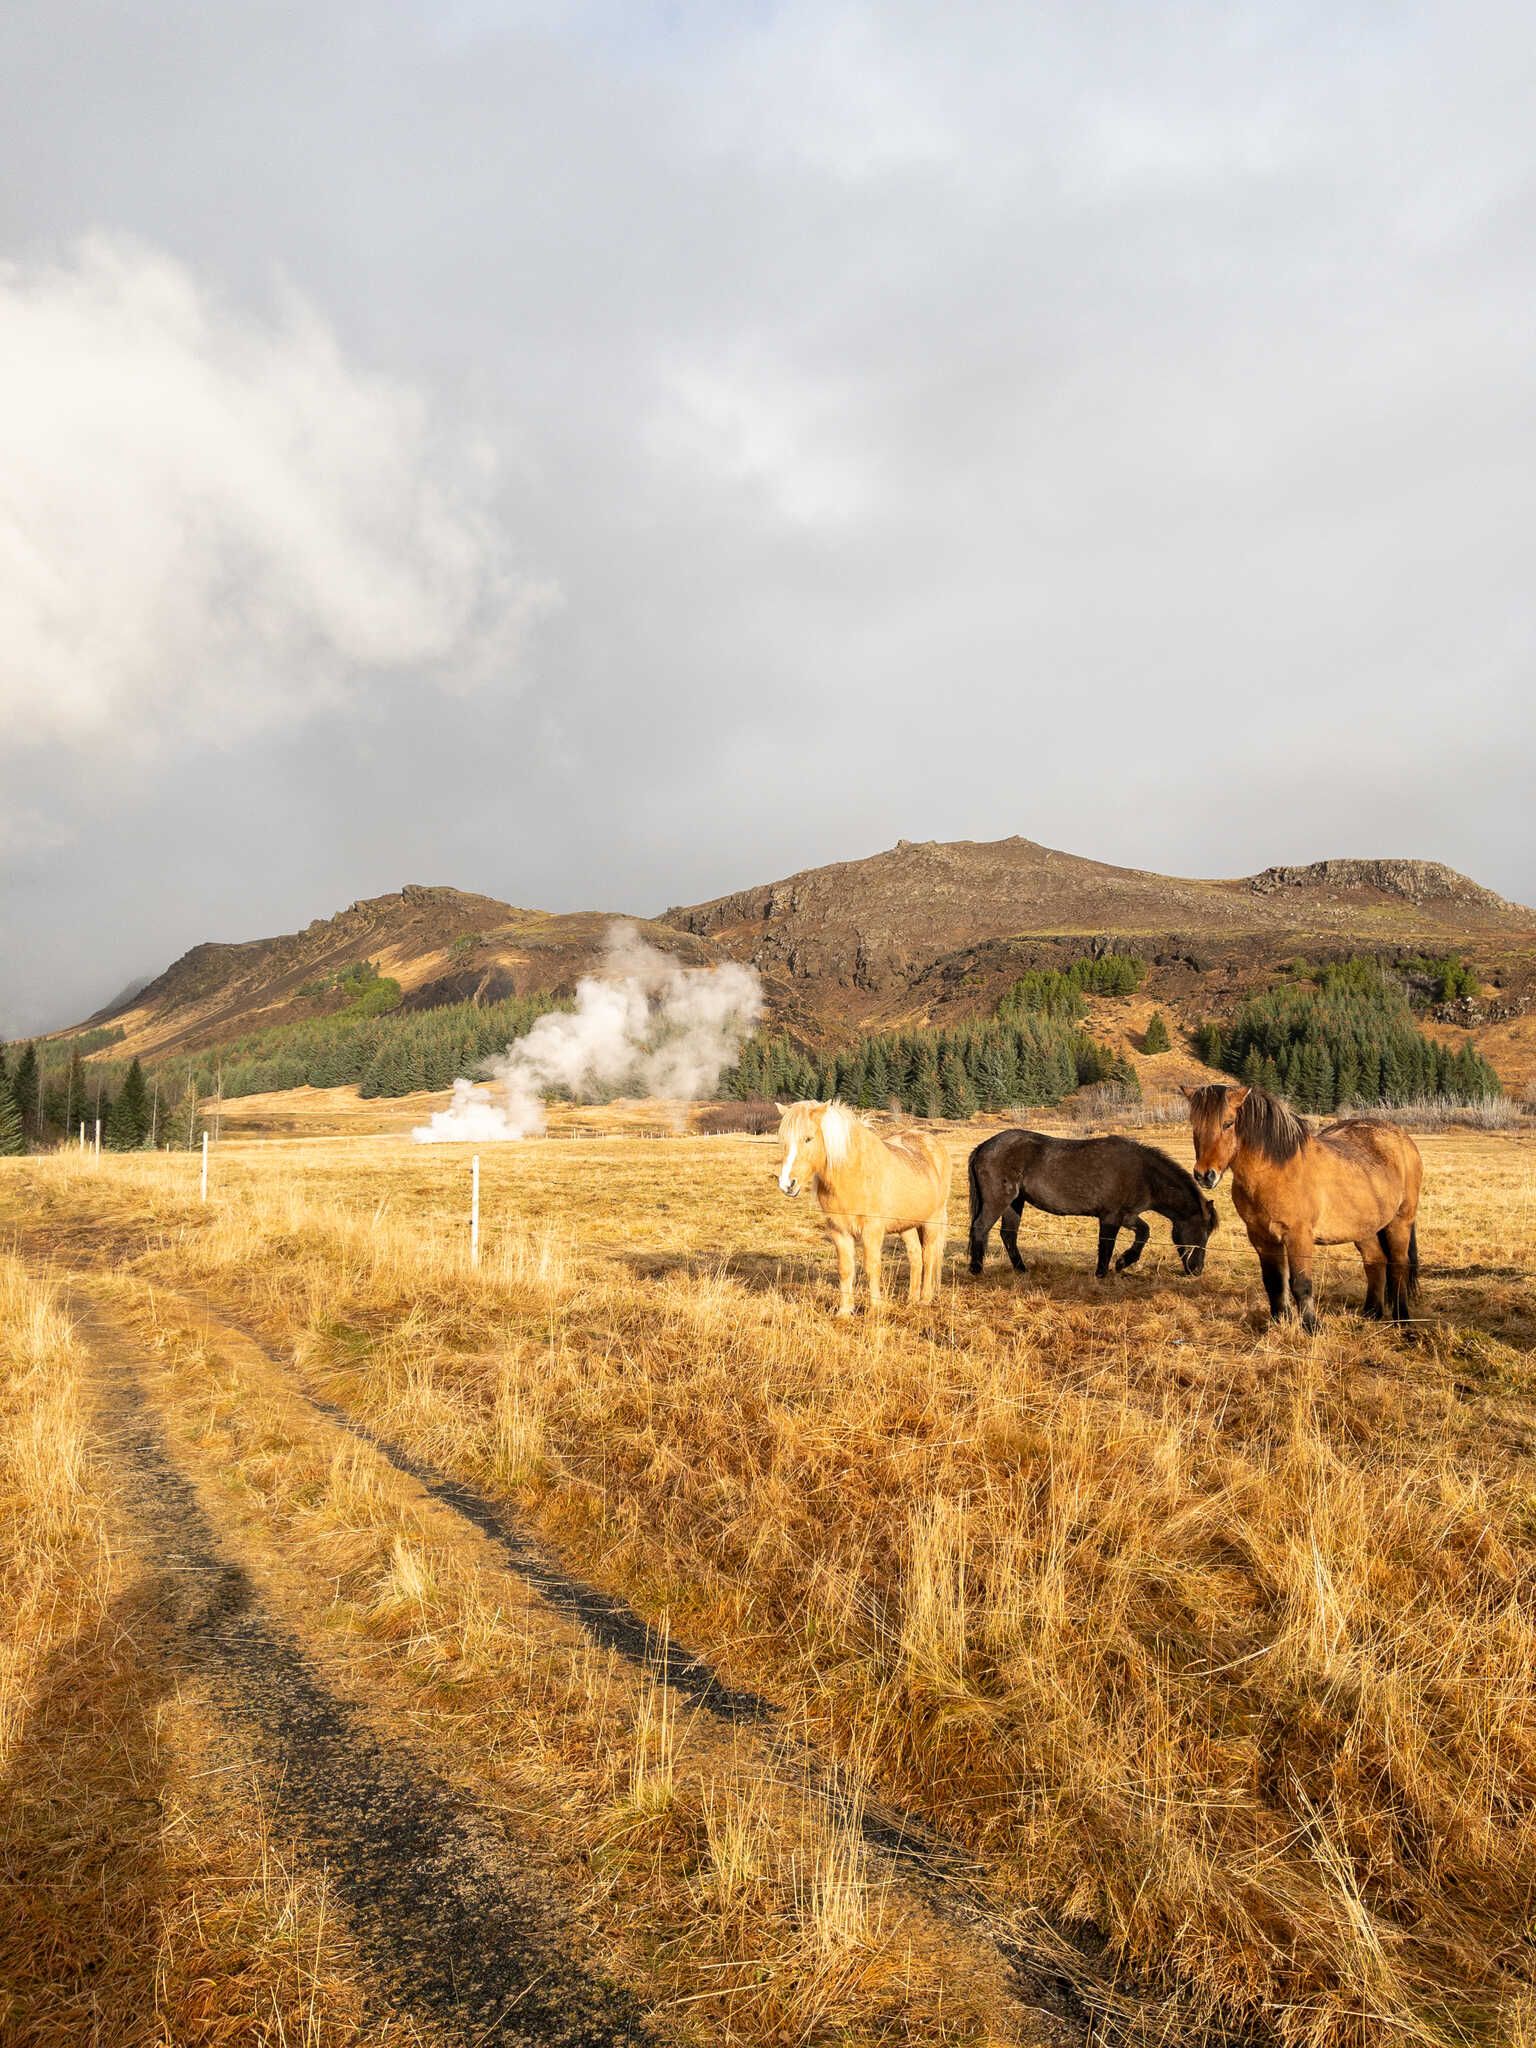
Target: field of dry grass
1208 1650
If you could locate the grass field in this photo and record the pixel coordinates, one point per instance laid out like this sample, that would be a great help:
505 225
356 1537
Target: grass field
1203 1656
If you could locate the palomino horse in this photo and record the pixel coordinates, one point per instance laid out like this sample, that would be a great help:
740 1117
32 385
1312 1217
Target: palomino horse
868 1185
1352 1183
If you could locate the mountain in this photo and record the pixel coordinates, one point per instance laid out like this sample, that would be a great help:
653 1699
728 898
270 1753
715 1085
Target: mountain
924 931
935 926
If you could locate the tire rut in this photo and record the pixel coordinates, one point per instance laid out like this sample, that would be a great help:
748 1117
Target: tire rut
475 1949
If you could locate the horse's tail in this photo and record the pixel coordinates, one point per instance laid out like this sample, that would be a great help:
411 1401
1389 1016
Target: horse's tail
978 1244
1412 1286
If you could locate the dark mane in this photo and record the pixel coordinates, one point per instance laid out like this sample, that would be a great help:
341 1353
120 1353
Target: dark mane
1171 1182
1265 1122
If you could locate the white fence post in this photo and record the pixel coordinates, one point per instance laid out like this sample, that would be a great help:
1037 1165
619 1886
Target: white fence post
205 1167
98 1137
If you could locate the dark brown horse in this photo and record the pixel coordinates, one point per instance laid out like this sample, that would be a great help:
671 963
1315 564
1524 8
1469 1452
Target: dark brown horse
1114 1179
1355 1182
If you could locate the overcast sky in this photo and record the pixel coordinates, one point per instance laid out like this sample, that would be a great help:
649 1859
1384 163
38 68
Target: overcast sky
603 456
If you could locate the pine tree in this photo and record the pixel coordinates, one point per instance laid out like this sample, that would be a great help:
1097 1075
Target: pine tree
13 1139
24 1089
1209 1046
128 1124
956 1093
1157 1039
1346 1086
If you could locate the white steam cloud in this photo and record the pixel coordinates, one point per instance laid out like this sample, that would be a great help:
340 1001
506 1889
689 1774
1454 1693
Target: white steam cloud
643 1026
210 522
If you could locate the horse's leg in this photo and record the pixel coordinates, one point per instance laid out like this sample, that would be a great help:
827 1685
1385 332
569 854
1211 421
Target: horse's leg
1010 1232
986 1215
1272 1266
843 1240
913 1240
1374 1260
1140 1232
1298 1259
1109 1230
934 1232
872 1238
1398 1248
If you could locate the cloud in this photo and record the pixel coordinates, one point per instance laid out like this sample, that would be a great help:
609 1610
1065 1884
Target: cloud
210 522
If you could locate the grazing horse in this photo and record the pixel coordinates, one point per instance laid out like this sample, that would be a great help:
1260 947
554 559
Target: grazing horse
1114 1179
1355 1182
868 1185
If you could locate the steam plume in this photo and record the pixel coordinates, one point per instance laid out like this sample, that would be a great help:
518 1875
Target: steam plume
643 1026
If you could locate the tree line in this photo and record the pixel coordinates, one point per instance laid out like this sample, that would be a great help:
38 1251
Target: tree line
48 1092
1349 1041
952 1071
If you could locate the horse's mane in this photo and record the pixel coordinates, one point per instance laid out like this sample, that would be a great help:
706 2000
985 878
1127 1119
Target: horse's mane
1265 1122
837 1127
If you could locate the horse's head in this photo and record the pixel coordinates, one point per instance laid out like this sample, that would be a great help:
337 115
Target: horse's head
1213 1120
814 1136
1191 1235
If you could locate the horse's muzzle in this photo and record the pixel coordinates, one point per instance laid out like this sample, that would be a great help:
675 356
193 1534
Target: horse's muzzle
1194 1259
790 1188
1206 1177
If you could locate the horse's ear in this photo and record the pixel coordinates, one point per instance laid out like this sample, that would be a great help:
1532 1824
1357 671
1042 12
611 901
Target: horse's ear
1238 1096
781 1108
1189 1094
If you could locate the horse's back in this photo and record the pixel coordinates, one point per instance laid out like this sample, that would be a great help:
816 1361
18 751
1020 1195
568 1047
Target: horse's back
1095 1176
1371 1152
1374 1139
924 1156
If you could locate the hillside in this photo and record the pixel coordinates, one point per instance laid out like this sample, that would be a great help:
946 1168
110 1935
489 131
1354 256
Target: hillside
923 932
442 945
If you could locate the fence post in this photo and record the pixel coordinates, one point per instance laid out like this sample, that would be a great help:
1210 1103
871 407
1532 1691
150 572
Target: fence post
204 1195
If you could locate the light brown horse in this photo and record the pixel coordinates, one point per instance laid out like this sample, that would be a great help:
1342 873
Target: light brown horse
1355 1183
868 1185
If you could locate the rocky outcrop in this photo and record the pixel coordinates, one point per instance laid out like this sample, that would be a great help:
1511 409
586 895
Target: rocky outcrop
1410 881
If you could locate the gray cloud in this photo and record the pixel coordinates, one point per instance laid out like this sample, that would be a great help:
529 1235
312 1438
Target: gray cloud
1111 426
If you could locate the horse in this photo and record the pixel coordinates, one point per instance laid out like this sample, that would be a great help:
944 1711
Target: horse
1114 1179
1355 1182
868 1185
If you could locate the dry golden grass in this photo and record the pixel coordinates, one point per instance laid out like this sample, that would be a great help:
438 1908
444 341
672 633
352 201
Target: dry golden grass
146 1894
1219 1638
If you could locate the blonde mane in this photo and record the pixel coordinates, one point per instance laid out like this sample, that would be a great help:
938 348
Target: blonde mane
838 1123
